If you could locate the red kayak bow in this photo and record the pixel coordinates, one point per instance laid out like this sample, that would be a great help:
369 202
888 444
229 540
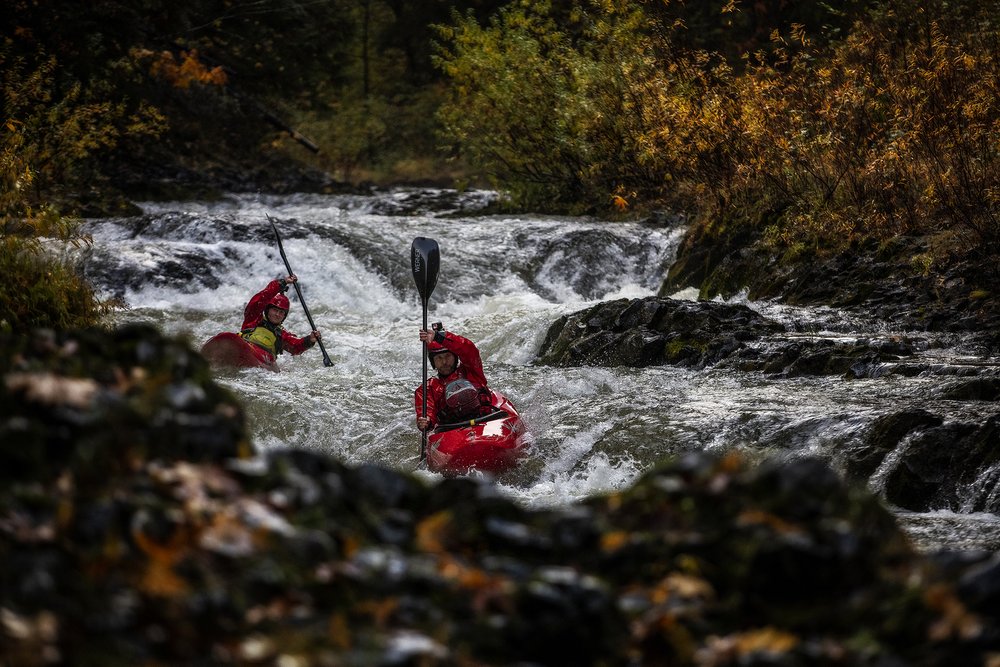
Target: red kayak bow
229 349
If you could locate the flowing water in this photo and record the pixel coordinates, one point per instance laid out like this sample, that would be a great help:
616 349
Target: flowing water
190 267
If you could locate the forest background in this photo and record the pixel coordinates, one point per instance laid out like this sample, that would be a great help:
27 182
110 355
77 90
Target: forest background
799 129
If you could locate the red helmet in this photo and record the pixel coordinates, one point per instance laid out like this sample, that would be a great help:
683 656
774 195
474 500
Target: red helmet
434 348
461 398
279 301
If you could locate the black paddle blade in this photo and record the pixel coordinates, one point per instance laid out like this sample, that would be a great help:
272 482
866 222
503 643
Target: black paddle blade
425 259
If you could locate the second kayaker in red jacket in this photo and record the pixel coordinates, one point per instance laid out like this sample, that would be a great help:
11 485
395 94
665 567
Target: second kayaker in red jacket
263 318
459 391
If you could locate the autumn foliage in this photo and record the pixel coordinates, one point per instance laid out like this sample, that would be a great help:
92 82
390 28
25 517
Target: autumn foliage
815 140
184 70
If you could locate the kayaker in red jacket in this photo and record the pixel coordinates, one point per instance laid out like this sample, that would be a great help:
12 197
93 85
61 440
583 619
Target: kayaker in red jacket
459 391
262 320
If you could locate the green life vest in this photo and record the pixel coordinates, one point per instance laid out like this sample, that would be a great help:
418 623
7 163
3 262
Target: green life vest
265 337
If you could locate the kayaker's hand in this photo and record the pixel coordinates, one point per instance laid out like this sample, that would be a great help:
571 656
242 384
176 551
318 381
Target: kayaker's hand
315 336
423 423
428 336
292 279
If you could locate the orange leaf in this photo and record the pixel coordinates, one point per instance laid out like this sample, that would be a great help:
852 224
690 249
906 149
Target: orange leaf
614 541
433 531
765 640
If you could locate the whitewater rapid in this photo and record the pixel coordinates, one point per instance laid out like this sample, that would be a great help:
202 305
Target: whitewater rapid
190 267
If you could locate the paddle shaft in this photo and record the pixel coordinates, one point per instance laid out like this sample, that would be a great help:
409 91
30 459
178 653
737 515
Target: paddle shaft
298 291
423 413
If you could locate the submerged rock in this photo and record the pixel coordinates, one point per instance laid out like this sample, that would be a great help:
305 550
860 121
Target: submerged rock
129 536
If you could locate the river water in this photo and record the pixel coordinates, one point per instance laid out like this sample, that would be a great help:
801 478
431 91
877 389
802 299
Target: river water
190 267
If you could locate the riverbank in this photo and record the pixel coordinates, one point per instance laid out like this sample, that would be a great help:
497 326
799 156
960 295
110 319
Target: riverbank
905 281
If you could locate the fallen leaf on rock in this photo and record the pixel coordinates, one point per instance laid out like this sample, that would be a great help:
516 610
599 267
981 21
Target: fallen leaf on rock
684 586
159 578
736 648
42 627
227 536
340 631
380 611
765 640
433 531
755 517
955 621
614 540
51 389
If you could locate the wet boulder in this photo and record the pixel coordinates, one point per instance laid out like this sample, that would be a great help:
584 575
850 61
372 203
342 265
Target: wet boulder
976 389
954 465
658 331
799 357
652 331
862 458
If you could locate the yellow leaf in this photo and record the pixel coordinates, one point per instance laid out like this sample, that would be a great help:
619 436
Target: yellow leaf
955 621
433 531
765 640
340 631
756 517
159 577
381 611
614 541
684 586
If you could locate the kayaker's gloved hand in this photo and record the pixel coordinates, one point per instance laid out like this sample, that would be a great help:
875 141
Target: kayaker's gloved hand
423 423
428 336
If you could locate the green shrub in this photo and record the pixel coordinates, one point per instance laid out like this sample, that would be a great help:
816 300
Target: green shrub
39 140
39 289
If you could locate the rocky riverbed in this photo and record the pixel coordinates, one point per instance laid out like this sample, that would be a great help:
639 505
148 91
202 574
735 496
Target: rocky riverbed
932 461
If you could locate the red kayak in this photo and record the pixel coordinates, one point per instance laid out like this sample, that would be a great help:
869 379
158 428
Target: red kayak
493 443
229 349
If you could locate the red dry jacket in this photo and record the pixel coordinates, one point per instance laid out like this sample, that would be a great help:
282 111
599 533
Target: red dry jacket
470 367
253 317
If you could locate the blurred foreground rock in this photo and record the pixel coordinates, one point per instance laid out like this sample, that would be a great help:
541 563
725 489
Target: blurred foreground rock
136 527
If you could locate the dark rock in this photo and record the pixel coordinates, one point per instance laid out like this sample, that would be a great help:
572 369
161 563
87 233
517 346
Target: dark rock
940 465
862 460
980 585
922 470
652 331
978 389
